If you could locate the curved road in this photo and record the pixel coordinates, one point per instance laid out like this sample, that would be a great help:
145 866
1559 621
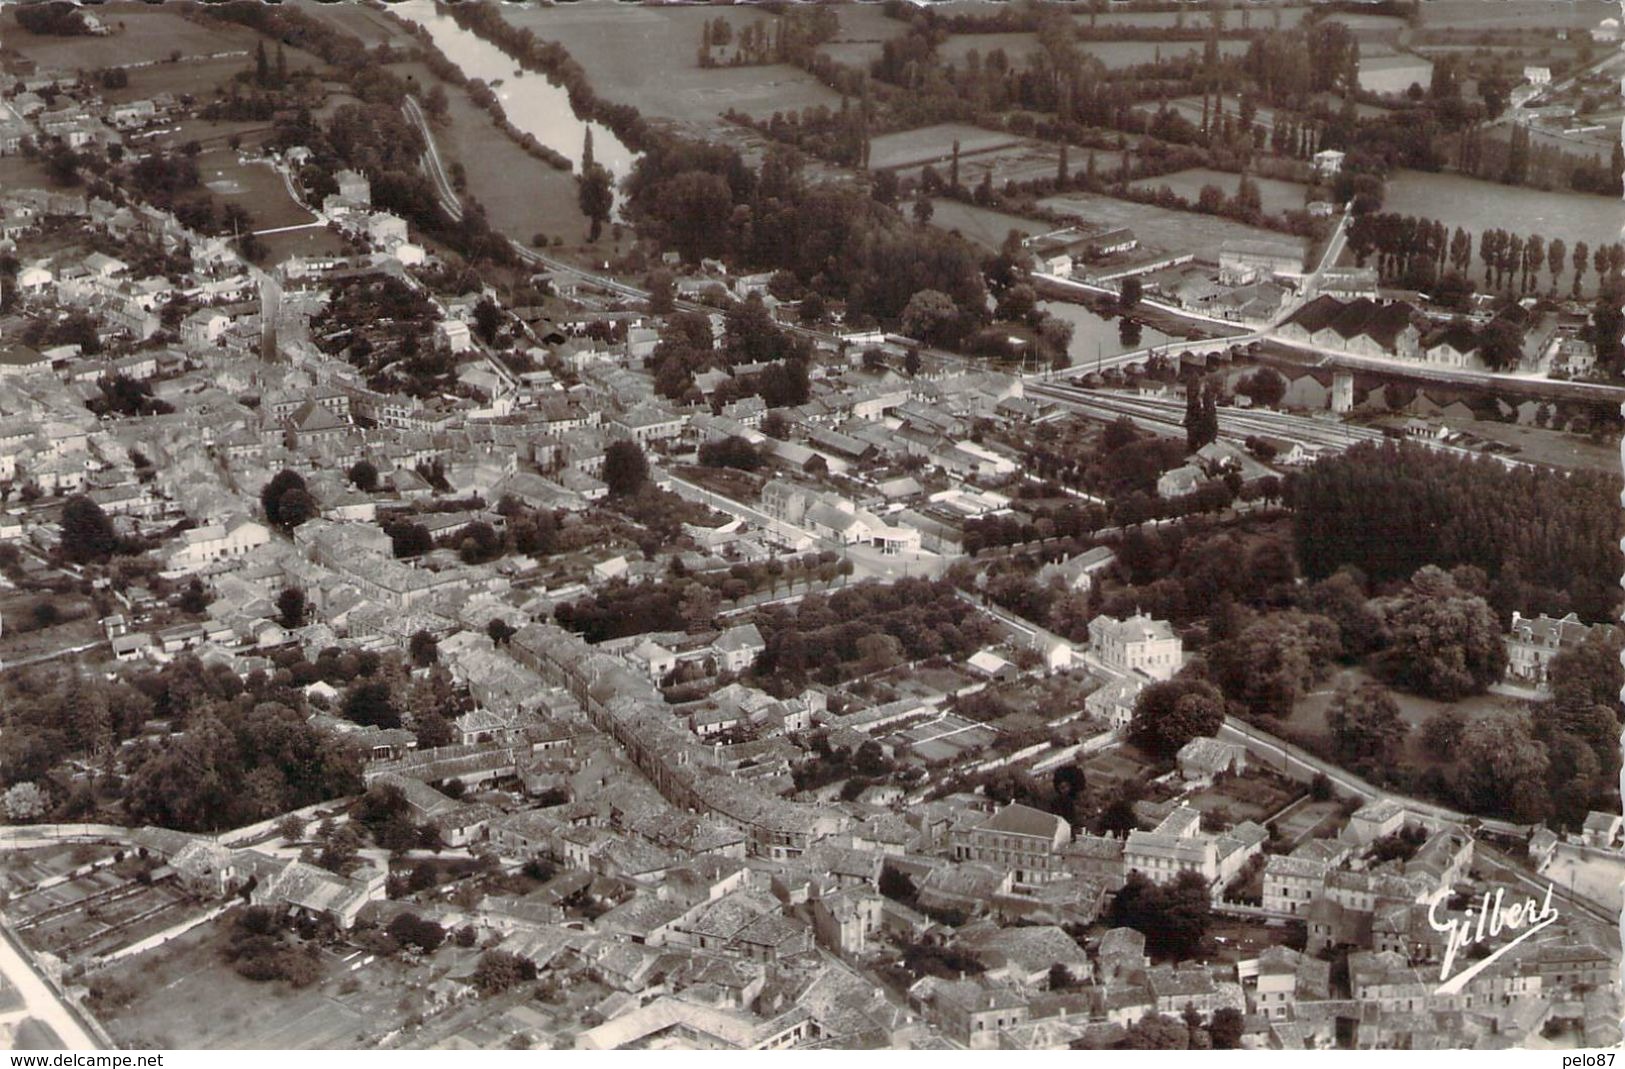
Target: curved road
44 1004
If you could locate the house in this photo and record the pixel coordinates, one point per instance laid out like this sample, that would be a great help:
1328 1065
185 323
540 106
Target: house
737 647
1328 163
204 326
1023 839
990 665
1348 283
1537 76
386 230
354 187
17 360
1078 573
656 660
305 890
1177 482
1373 821
1113 703
1137 644
1244 262
454 335
1602 830
216 542
131 647
1206 758
1174 846
1292 884
974 1011
648 423
1531 643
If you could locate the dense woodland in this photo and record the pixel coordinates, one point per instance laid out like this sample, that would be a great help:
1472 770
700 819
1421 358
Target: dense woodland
1547 541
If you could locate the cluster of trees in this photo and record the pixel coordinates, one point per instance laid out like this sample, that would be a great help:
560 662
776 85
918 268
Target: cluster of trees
286 500
240 760
124 396
1169 714
793 37
1546 544
87 534
1173 917
1158 1031
867 627
705 202
259 949
731 452
54 19
1444 640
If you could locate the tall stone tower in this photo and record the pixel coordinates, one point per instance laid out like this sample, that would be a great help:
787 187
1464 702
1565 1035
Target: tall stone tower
270 312
1342 392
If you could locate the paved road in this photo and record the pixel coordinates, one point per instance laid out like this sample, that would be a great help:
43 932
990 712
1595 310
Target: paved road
43 1002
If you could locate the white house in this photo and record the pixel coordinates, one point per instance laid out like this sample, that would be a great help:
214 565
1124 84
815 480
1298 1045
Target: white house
202 545
1328 162
1137 644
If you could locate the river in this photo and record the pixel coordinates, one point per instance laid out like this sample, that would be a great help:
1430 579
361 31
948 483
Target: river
534 104
1096 336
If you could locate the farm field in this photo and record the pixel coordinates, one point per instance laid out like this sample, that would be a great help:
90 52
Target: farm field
317 241
1509 14
195 77
858 54
141 34
1475 205
928 144
1164 227
1598 144
1119 54
358 20
1284 17
649 62
1277 195
984 226
1022 162
1019 47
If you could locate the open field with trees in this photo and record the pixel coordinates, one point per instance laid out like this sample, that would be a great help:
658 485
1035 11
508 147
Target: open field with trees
928 144
650 62
1474 205
142 34
1276 196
